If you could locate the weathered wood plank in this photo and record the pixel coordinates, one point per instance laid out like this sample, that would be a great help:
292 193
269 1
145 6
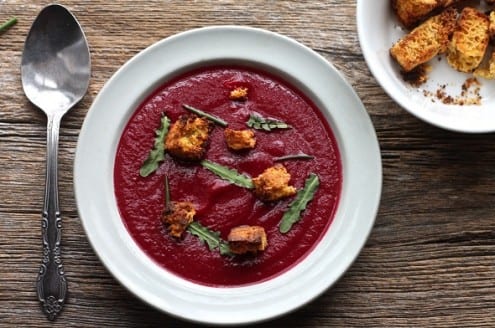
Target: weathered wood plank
430 260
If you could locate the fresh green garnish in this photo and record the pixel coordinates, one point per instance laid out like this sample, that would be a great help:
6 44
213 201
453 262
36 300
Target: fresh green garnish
293 156
157 153
303 197
228 174
209 237
5 26
199 112
261 123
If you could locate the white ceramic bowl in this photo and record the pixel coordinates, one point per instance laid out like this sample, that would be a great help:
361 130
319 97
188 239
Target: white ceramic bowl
300 66
378 30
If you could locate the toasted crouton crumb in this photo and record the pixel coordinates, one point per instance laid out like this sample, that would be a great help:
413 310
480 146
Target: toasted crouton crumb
240 139
273 184
179 218
188 137
247 239
425 41
239 93
469 41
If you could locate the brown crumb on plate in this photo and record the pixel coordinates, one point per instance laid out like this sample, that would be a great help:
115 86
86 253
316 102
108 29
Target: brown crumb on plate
417 76
469 95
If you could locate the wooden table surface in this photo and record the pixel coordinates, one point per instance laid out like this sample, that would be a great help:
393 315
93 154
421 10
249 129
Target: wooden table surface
430 259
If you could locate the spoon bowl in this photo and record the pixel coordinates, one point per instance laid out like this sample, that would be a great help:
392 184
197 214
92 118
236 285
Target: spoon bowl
55 64
55 72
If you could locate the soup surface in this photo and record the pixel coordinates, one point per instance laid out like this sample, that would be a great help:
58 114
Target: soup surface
220 205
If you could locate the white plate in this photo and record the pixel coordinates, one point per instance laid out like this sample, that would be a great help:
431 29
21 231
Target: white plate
300 66
378 30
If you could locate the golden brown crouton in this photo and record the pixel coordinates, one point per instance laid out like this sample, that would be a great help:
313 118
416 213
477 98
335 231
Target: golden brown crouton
273 184
247 239
240 139
469 41
188 137
487 72
425 41
410 12
178 219
239 93
491 27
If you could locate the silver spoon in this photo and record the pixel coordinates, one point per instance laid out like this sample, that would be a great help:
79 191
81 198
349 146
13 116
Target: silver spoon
55 73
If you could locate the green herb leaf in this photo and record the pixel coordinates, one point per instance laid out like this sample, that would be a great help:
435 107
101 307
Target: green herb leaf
5 26
228 174
157 154
293 156
303 197
261 123
209 237
199 112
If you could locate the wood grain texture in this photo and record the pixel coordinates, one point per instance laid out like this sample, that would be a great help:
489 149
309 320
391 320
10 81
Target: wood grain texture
430 259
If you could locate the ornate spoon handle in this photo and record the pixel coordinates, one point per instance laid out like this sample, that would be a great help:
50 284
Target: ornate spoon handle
51 284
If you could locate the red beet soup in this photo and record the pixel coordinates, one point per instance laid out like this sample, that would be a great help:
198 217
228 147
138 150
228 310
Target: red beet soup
221 205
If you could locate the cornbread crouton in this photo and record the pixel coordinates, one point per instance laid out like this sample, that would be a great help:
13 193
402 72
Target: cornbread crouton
239 93
425 41
410 12
240 139
469 41
487 72
188 137
491 27
247 239
178 219
273 184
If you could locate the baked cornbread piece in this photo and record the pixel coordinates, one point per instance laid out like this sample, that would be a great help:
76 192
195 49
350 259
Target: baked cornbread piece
487 72
491 27
178 219
240 139
411 12
247 239
273 184
469 41
188 137
425 41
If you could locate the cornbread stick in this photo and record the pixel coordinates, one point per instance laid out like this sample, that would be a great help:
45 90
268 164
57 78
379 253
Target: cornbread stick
425 41
469 41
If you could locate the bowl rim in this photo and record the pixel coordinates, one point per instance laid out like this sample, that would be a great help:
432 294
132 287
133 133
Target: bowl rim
306 70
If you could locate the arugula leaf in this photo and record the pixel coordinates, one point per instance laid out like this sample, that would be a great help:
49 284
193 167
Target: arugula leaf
293 156
261 123
228 174
157 154
199 112
209 237
303 197
5 26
